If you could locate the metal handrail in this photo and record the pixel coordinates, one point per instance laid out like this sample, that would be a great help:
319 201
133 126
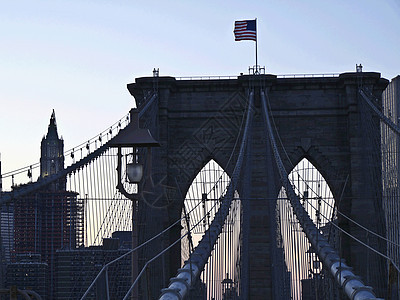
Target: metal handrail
308 75
205 77
215 77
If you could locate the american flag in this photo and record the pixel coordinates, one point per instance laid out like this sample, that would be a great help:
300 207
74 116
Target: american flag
245 30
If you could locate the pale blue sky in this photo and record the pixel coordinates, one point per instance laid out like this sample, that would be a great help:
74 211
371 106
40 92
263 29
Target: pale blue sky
77 56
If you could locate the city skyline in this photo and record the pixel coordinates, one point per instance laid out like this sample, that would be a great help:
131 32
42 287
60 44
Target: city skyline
77 57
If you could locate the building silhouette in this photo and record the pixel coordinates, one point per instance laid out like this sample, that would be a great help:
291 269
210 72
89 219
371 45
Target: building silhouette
76 269
28 272
391 179
52 154
47 220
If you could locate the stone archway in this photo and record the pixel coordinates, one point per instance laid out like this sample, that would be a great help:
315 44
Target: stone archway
315 117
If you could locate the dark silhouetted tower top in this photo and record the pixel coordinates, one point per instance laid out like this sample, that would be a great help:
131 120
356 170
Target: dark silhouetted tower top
52 153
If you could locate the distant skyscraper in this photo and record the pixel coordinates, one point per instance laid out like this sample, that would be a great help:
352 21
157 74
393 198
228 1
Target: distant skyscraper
1 179
391 179
51 218
6 235
391 100
7 231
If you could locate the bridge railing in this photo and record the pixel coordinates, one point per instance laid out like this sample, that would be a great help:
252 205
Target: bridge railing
308 75
316 75
206 77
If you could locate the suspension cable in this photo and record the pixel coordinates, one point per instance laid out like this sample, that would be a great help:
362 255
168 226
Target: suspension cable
388 122
187 276
75 166
355 238
137 248
351 284
383 118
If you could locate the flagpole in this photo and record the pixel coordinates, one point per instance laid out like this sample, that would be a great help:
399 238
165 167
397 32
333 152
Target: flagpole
256 48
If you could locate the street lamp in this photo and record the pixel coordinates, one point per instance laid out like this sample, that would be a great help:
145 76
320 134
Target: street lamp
134 172
228 288
133 137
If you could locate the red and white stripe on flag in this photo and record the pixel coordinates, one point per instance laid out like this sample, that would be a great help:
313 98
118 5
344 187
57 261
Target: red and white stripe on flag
245 30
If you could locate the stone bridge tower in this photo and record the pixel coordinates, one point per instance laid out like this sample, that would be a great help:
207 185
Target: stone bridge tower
317 118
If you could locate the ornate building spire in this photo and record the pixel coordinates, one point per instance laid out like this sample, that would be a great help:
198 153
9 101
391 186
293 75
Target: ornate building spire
52 130
52 152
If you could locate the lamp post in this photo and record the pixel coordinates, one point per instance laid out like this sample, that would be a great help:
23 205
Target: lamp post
133 137
228 291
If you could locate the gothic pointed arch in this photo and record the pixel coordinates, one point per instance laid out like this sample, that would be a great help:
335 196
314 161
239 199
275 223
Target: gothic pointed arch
202 201
334 177
202 198
317 199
